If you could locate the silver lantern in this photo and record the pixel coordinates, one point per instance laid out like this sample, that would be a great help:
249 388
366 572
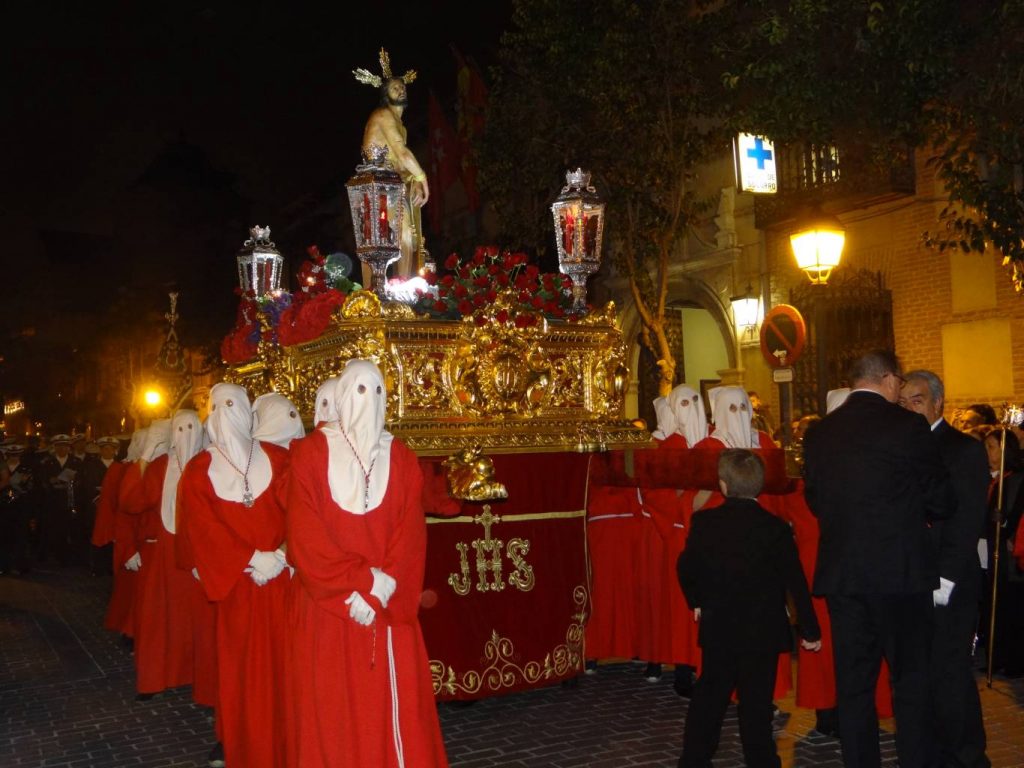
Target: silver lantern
376 196
579 228
259 263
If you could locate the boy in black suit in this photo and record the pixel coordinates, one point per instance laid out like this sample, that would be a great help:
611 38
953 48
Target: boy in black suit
738 564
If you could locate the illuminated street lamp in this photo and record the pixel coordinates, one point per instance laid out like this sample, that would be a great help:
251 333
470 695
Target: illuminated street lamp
745 311
579 229
818 246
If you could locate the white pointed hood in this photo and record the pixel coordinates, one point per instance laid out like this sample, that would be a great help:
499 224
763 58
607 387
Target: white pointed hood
276 420
157 441
358 447
688 414
326 409
835 398
134 452
731 414
236 460
186 442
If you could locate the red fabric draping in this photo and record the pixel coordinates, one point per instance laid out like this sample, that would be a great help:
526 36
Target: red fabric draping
672 467
121 527
162 611
498 641
251 621
816 679
362 694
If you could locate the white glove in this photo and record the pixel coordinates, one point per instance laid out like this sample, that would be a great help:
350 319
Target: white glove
383 586
280 555
941 595
264 566
134 562
359 610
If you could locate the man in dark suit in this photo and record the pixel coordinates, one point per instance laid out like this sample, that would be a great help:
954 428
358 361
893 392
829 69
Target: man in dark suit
874 478
57 479
959 728
738 564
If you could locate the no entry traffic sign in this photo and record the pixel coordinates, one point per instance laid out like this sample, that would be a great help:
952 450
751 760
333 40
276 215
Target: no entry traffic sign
783 335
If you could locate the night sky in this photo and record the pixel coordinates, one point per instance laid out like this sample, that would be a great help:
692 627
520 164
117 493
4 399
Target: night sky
262 109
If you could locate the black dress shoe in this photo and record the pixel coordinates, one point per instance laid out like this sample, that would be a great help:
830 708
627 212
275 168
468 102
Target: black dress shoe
682 681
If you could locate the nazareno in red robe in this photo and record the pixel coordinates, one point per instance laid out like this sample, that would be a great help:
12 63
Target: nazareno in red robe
204 619
252 627
163 612
113 526
363 695
613 539
668 632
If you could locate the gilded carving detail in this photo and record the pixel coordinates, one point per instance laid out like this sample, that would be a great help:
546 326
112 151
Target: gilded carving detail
471 477
502 669
453 384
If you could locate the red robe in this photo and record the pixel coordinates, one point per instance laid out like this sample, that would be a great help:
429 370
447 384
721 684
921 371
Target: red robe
668 632
361 694
204 619
613 539
163 607
114 526
251 621
815 676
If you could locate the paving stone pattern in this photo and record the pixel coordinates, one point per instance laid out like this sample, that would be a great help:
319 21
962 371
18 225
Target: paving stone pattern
67 698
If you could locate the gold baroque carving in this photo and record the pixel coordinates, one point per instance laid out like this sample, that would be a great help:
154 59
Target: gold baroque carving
503 671
454 384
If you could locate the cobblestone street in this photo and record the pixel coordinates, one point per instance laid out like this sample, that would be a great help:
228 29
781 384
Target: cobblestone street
67 699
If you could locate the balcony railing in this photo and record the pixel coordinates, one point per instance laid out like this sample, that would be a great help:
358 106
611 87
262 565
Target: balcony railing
840 179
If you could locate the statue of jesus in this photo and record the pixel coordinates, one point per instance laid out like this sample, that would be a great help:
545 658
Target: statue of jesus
384 128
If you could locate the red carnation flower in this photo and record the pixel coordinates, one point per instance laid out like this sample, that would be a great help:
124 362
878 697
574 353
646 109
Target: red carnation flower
481 282
465 308
452 262
479 319
440 306
537 302
461 291
502 316
522 321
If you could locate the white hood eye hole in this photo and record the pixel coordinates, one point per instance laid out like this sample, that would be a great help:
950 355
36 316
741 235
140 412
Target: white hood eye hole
213 408
732 408
229 403
291 414
324 402
181 429
190 426
684 403
379 390
361 389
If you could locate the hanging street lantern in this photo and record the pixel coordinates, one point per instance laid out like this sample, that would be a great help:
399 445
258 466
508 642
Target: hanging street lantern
579 229
376 196
259 264
818 246
745 310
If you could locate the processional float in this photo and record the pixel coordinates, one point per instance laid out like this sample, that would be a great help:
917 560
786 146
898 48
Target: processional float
503 382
